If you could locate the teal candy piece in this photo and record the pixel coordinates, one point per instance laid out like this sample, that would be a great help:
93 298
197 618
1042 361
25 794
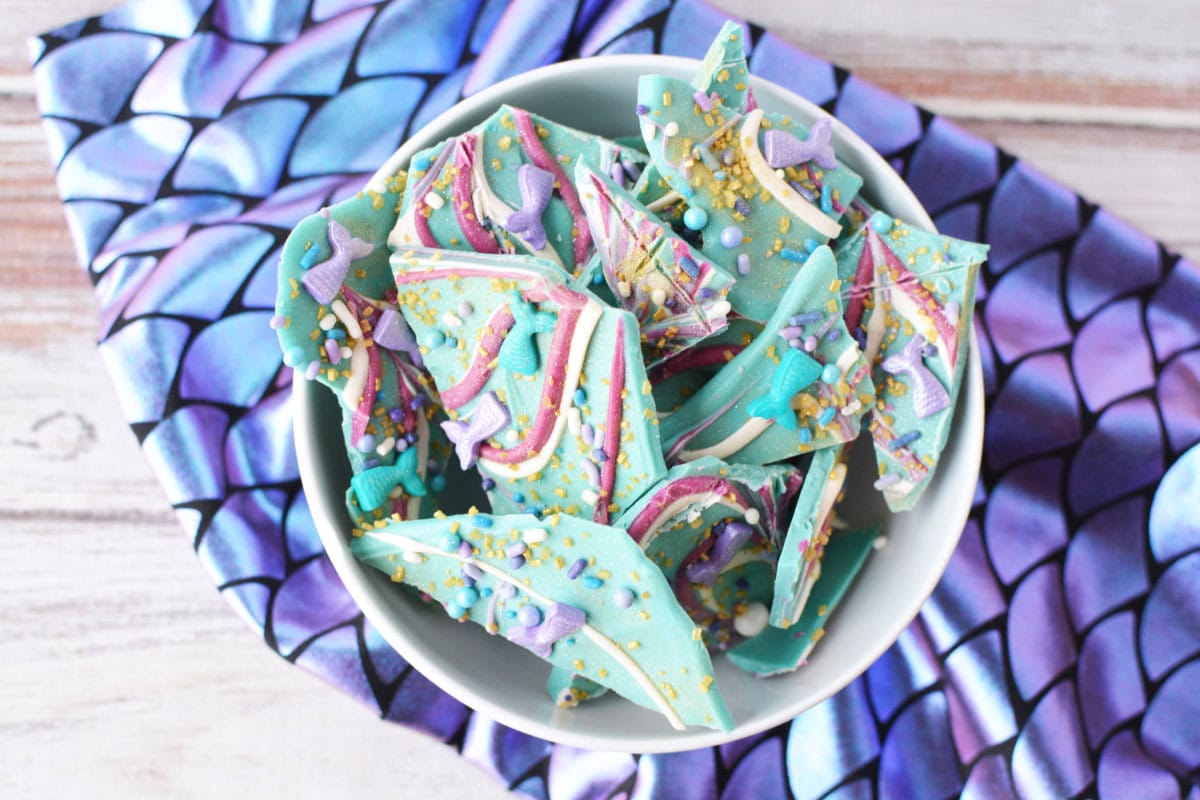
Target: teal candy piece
800 556
369 380
677 295
649 652
716 420
582 435
683 526
372 487
467 189
796 371
775 650
921 292
715 160
568 690
519 351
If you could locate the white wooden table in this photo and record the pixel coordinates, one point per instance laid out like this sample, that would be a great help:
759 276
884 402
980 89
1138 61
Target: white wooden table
124 674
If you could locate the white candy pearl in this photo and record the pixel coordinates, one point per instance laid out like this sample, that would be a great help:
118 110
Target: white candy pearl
751 621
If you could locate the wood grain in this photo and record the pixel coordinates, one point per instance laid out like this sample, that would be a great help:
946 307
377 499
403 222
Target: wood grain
123 673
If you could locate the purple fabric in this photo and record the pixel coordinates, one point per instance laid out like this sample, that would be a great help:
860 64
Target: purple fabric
1059 656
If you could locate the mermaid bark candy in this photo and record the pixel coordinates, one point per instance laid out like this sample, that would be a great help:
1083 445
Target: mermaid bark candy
756 224
337 323
678 379
757 408
775 650
800 556
578 594
506 186
677 295
580 433
911 306
714 529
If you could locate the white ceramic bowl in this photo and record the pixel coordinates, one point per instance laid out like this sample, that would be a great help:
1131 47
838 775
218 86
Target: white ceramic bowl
507 683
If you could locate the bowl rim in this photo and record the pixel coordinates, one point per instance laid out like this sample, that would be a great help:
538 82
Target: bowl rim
329 517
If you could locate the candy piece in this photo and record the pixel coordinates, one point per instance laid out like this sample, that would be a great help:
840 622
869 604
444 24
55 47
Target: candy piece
736 415
783 149
489 417
774 213
373 373
537 185
910 302
324 281
491 186
678 379
800 556
775 650
677 295
652 659
714 530
723 71
587 454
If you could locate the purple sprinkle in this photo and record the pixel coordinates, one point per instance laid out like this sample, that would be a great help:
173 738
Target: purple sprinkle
704 293
796 344
415 403
792 331
396 414
402 445
587 433
516 562
803 191
689 266
472 571
833 335
806 318
631 169
515 549
743 264
371 463
593 472
529 615
278 321
365 443
617 174
860 336
641 109
465 309
464 549
313 370
506 591
576 569
929 351
727 157
488 484
410 437
887 480
741 206
623 597
810 343
433 466
704 101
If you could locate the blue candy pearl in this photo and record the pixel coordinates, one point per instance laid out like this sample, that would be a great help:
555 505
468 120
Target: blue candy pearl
466 597
881 224
695 218
831 373
437 483
455 610
731 236
365 443
433 339
450 542
529 615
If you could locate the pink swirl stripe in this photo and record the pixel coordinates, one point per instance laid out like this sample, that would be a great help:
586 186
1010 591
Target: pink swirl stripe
612 433
361 417
465 153
695 486
864 277
461 393
537 153
695 358
553 381
421 223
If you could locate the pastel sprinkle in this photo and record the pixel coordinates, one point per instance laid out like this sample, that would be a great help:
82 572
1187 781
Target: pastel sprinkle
432 339
517 562
741 206
811 244
826 199
592 582
534 535
588 434
904 441
695 218
576 569
580 397
310 257
804 435
731 237
450 542
881 224
689 266
788 254
365 443
826 416
481 520
887 480
830 373
751 516
623 597
466 597
516 549
529 615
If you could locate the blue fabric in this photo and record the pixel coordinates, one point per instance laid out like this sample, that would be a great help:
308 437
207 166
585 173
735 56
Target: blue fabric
1060 654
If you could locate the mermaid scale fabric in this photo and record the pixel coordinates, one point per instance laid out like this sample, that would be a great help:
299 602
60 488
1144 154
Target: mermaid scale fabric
1058 657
